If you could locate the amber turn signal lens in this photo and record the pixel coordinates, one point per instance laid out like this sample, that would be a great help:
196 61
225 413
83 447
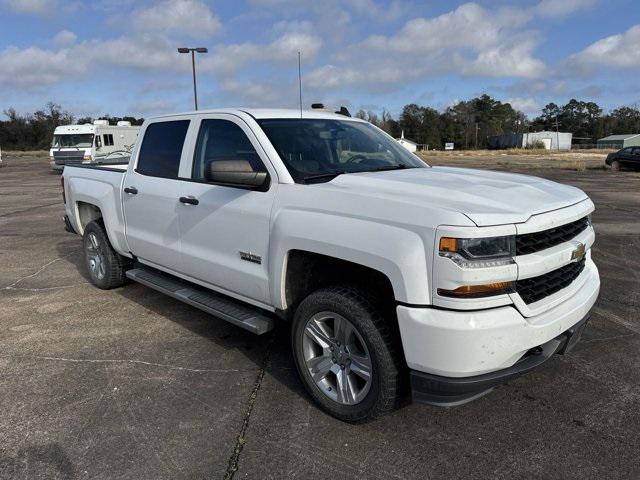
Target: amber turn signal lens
478 291
448 244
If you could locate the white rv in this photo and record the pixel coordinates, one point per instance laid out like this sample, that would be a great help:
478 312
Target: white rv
97 143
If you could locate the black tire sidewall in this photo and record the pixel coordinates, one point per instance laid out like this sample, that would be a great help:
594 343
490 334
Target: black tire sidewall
360 317
107 255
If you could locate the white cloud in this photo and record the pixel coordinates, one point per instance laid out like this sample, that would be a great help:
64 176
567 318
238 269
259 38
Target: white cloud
192 18
506 61
29 6
560 8
146 53
525 104
619 51
35 67
225 60
64 38
469 40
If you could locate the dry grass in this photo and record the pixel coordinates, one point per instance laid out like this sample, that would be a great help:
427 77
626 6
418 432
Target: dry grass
579 160
26 153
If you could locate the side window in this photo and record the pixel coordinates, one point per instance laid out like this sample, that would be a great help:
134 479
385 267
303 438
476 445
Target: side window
98 142
161 149
635 151
222 140
108 139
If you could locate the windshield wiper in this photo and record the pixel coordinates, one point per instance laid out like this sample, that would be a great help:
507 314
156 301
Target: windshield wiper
389 167
320 176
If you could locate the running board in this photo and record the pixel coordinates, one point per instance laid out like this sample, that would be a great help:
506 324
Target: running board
216 304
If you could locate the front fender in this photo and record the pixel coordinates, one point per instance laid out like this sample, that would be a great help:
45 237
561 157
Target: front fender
399 253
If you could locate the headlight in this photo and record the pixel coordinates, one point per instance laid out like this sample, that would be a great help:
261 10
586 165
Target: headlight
479 252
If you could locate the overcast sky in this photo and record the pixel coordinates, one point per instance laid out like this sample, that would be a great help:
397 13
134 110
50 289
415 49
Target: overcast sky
119 56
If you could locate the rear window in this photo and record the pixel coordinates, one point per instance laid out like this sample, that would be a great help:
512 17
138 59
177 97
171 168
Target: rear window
161 149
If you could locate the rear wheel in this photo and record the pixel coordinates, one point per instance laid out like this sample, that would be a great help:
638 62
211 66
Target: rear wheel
105 266
615 166
346 355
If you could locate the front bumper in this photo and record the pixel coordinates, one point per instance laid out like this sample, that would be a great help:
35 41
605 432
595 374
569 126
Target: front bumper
450 392
462 344
55 166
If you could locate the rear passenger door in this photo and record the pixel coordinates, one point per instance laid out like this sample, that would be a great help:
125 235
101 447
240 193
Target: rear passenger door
625 156
151 193
225 237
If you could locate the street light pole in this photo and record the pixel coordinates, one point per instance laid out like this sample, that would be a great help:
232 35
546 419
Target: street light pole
193 68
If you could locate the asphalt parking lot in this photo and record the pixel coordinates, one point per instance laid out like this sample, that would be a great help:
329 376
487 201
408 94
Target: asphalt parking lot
129 383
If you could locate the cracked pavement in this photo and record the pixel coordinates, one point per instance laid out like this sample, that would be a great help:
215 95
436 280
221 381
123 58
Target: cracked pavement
129 383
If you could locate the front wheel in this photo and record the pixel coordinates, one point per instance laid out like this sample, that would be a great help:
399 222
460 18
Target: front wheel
346 354
615 166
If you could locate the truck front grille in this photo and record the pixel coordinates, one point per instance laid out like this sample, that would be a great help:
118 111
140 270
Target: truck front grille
534 242
533 289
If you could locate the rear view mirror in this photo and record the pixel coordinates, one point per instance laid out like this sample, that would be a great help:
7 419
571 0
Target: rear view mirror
236 173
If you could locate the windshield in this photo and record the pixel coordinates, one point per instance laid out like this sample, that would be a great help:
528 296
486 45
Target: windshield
315 149
78 140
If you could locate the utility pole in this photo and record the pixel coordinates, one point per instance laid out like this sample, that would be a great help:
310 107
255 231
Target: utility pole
476 135
300 83
193 68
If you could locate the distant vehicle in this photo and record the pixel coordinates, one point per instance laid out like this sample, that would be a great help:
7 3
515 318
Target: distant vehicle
387 270
94 144
626 157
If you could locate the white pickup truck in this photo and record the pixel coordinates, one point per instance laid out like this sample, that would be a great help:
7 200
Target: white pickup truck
393 275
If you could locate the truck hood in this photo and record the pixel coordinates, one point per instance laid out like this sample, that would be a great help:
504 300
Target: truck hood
486 197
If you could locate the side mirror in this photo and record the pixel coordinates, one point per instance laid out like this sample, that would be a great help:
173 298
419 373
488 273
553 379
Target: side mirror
238 173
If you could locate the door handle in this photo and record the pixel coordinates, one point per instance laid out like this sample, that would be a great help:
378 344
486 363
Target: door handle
189 200
131 190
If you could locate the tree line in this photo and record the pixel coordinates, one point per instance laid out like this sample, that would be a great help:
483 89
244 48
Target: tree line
470 123
34 131
467 123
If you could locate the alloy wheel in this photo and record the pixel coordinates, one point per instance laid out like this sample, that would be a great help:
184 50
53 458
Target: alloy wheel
337 358
95 257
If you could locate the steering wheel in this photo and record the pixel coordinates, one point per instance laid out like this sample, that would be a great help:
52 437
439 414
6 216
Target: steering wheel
356 159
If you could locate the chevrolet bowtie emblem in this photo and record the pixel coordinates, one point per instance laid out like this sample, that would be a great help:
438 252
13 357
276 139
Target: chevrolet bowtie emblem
579 252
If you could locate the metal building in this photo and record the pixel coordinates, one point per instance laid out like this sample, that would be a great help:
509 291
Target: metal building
549 139
620 141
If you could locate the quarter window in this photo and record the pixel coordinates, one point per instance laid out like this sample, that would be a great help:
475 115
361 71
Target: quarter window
220 140
161 149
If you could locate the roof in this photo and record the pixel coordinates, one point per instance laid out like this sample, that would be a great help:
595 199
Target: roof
90 128
406 140
260 113
623 136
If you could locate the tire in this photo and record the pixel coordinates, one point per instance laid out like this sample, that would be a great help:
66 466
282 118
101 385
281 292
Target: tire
372 344
106 268
615 166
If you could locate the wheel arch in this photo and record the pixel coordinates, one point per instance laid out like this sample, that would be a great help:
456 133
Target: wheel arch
308 271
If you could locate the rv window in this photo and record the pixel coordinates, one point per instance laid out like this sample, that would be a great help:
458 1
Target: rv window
108 139
97 141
